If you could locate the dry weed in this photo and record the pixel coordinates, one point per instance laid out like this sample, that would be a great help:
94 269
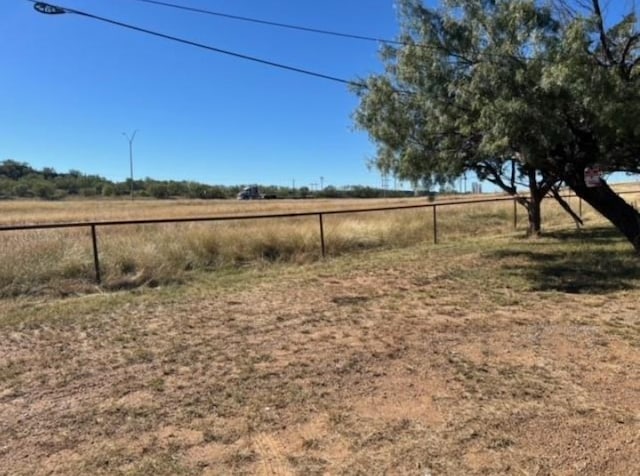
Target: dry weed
457 359
61 261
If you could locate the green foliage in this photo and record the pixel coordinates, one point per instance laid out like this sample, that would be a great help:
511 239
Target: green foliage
21 189
518 91
22 181
108 190
14 170
461 93
158 190
43 189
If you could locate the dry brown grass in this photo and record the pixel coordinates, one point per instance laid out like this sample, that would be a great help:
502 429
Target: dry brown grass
28 211
60 261
504 357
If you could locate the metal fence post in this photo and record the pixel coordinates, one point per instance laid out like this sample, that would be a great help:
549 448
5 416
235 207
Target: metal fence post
580 207
96 260
435 225
322 246
309 214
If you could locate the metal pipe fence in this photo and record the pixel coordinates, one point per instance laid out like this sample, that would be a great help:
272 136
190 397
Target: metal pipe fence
93 225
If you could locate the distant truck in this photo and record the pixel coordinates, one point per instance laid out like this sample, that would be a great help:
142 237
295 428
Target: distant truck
250 193
253 193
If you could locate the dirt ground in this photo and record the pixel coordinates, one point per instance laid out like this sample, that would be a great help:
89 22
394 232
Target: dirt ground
501 358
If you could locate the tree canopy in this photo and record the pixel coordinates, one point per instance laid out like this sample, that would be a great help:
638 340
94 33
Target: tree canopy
20 180
510 89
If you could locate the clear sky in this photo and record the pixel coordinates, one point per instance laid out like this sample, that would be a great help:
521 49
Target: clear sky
70 86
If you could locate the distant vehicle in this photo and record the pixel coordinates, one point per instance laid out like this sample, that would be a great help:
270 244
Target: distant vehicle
250 193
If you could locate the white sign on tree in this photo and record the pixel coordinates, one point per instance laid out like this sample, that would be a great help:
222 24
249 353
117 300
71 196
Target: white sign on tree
593 176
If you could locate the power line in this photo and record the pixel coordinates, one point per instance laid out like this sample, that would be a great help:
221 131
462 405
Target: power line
308 29
53 9
56 9
274 23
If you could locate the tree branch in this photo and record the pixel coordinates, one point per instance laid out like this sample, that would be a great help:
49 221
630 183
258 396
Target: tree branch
604 41
497 178
627 48
546 185
555 190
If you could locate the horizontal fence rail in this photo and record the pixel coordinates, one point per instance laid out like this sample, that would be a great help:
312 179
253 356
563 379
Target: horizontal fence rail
149 221
93 225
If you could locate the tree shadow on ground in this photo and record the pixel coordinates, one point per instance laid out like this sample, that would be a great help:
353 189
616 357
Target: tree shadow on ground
566 266
603 235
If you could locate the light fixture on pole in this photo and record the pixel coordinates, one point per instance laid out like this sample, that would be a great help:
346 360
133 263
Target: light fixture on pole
130 139
48 9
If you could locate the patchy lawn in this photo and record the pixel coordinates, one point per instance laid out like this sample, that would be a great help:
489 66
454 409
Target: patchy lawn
511 357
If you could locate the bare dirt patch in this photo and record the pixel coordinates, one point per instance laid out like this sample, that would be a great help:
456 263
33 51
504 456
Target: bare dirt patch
446 361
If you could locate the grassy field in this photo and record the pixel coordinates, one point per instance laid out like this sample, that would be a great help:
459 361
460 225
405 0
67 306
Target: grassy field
61 262
497 356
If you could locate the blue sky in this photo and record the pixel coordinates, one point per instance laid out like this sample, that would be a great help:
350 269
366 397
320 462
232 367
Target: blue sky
70 86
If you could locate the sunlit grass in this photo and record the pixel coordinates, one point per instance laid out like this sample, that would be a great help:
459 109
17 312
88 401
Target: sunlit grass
360 364
132 255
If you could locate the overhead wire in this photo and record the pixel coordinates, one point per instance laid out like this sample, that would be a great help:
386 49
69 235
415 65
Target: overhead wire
273 23
274 64
214 49
48 8
308 29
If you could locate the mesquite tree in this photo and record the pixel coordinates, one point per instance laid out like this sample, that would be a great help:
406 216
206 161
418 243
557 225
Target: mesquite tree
514 90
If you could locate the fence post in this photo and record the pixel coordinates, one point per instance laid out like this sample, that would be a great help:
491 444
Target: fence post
580 207
96 260
322 235
435 225
515 214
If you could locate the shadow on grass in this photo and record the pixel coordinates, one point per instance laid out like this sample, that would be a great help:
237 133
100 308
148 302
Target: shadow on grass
605 235
565 266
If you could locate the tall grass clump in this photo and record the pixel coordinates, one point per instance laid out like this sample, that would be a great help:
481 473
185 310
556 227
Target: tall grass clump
132 255
32 260
362 231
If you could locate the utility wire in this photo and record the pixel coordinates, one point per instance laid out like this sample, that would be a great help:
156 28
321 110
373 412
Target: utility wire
199 45
48 8
320 31
273 23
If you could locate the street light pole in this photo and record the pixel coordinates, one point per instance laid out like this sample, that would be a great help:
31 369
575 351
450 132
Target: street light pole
47 9
130 139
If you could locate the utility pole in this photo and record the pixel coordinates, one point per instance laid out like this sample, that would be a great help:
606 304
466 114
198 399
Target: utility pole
130 139
53 10
321 183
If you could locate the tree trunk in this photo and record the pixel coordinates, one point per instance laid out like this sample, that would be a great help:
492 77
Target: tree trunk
533 208
610 205
535 216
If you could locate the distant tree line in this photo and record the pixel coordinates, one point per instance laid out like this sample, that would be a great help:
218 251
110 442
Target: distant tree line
20 180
